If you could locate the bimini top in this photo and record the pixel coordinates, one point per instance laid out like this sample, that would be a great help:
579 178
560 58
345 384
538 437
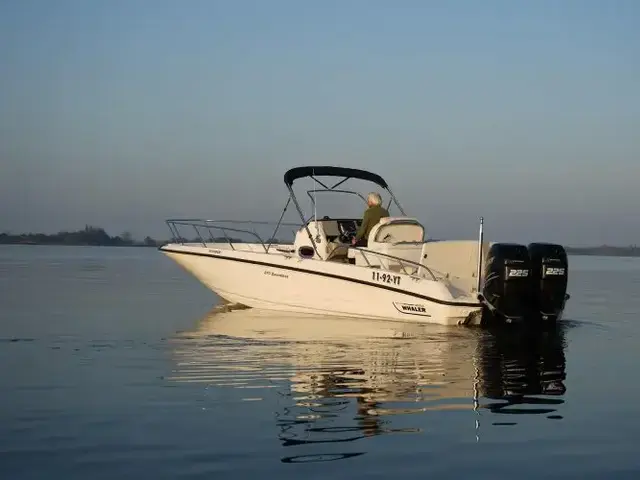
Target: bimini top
323 170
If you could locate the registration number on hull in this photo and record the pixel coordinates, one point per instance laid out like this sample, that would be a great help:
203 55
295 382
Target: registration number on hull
386 278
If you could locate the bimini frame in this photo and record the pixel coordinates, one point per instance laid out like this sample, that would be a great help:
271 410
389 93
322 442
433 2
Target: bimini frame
328 171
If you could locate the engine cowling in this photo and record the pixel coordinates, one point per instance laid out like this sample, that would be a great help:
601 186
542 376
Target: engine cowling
507 283
549 279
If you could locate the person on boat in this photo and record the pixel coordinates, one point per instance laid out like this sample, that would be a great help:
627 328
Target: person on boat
371 217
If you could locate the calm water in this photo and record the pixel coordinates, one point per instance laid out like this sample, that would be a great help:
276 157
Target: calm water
115 363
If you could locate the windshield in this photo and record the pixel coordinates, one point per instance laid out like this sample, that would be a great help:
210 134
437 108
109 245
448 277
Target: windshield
348 200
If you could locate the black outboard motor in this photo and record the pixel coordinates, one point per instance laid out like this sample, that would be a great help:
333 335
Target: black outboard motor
550 276
507 283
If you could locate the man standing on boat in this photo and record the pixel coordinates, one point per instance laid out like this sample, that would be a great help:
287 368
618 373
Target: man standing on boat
371 217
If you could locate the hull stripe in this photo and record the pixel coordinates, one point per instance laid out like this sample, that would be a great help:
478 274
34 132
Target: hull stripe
325 274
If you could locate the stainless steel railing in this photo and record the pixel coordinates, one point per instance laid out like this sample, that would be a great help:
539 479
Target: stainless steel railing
220 225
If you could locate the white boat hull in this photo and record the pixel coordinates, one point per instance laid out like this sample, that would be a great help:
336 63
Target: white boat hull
397 273
276 281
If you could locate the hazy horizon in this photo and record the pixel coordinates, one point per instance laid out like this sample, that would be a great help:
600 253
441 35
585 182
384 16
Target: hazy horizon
122 114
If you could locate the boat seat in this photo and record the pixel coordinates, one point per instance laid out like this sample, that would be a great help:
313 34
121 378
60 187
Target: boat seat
396 230
396 236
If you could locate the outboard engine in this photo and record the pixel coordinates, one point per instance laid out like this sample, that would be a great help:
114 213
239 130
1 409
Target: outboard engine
550 276
507 283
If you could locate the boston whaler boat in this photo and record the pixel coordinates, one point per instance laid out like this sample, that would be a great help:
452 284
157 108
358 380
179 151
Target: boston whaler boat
399 275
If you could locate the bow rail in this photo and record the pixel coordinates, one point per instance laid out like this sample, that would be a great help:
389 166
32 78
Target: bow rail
209 226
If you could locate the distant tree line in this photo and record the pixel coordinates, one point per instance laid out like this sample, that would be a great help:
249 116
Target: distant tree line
97 236
605 251
90 235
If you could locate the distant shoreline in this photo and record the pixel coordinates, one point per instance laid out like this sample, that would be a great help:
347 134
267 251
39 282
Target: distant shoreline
30 244
97 237
89 236
578 252
604 251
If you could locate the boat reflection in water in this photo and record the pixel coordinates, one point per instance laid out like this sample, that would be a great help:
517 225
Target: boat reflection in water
336 380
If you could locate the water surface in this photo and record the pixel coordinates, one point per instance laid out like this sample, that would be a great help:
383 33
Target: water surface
117 364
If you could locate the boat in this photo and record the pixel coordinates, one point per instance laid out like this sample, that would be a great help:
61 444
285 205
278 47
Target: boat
400 274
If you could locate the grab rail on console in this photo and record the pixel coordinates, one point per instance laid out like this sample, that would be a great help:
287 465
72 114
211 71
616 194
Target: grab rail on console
402 261
217 225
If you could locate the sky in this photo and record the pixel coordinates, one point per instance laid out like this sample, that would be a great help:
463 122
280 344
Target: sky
122 114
